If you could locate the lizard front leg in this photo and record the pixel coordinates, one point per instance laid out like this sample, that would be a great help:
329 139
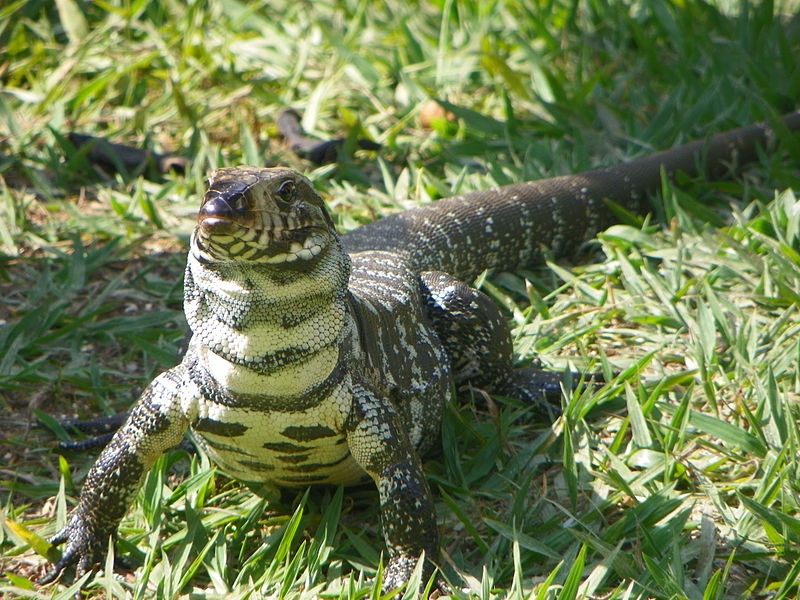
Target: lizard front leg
379 443
155 423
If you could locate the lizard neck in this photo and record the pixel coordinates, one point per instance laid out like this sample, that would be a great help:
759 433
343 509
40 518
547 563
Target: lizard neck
266 330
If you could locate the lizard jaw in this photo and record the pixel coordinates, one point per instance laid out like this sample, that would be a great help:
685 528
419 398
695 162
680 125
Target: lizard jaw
223 240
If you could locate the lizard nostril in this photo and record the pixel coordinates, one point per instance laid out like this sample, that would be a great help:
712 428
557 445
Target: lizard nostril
217 207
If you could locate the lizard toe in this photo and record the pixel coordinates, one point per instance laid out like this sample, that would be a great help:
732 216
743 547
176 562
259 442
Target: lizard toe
84 549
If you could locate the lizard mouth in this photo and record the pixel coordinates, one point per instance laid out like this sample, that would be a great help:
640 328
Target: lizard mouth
276 239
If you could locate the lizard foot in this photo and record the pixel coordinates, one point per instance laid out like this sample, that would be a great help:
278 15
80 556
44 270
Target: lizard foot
84 549
541 389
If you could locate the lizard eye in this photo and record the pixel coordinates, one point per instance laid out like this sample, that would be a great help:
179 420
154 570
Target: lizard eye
286 191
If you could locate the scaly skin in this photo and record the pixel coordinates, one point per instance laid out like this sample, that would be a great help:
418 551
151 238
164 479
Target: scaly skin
320 359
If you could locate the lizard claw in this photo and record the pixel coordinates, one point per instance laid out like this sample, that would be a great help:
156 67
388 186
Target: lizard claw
84 549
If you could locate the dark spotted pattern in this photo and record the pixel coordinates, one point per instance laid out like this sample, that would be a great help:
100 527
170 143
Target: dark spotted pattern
308 433
292 480
154 424
316 359
308 467
257 466
285 447
213 427
292 458
227 448
210 389
512 226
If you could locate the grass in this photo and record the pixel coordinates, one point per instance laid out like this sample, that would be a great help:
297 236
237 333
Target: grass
676 479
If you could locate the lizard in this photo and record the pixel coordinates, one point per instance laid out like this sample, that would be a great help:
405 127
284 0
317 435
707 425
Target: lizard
319 358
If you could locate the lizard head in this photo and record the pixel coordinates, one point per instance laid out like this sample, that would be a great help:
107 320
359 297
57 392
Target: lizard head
261 215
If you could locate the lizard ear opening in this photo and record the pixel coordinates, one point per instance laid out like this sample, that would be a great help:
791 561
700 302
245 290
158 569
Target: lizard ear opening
327 215
315 199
